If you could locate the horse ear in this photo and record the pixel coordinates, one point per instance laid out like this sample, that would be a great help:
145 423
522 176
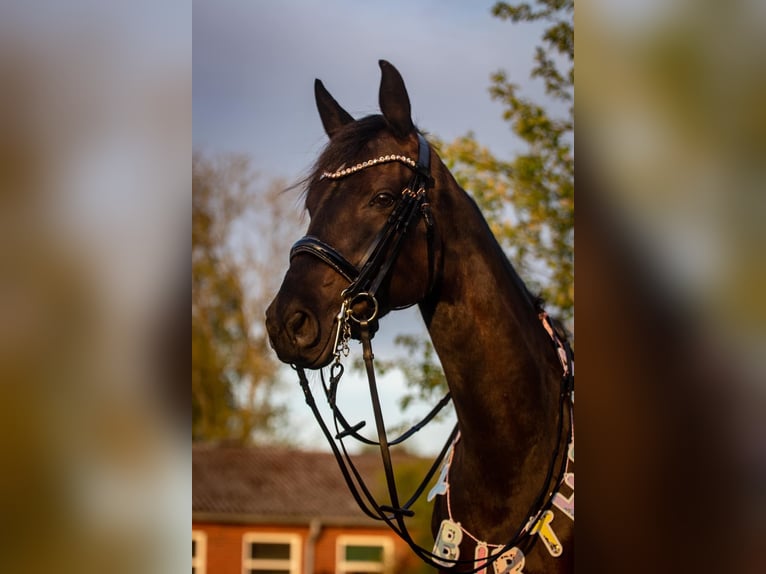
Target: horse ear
333 116
394 101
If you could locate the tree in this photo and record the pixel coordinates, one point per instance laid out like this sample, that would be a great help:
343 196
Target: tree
233 369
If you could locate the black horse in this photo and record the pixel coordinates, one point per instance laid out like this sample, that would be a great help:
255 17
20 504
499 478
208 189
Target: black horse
508 485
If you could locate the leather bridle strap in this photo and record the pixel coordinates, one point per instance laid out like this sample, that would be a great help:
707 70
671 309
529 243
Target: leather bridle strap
328 254
385 452
352 430
385 247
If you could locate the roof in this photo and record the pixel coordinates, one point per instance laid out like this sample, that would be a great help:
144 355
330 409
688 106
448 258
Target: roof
276 485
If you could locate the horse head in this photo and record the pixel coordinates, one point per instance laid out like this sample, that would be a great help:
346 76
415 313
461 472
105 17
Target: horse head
355 200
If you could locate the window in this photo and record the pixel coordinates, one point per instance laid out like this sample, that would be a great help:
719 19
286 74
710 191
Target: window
363 554
271 553
199 550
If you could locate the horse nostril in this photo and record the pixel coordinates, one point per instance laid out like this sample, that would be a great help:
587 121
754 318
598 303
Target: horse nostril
302 329
296 322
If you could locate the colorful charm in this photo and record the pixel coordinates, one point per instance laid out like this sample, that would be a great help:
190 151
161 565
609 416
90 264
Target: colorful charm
570 452
544 530
480 556
510 562
566 505
447 545
441 484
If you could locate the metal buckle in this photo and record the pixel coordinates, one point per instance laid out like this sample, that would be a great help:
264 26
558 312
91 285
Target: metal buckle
342 333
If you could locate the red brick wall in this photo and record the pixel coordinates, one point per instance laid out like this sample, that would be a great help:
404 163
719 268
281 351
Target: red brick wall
224 546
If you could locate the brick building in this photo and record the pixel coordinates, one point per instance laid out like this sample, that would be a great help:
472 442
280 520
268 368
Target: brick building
282 511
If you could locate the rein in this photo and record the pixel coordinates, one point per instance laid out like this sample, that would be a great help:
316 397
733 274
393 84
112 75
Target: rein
364 282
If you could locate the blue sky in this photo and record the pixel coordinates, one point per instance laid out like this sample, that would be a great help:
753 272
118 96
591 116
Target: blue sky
255 64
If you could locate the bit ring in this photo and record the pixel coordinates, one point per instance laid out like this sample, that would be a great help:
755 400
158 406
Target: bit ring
361 298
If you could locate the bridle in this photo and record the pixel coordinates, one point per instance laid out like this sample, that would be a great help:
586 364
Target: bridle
360 307
366 279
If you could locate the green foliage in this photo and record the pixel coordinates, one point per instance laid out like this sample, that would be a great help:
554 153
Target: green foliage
232 367
558 39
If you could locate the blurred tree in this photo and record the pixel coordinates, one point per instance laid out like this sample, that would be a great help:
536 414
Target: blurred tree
233 369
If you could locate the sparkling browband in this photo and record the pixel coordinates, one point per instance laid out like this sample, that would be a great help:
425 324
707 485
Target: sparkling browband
369 163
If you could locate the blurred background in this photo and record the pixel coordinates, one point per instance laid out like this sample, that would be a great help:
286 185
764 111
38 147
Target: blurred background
95 145
95 141
670 188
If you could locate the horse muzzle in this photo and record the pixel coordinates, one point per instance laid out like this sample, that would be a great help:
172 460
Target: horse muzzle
296 335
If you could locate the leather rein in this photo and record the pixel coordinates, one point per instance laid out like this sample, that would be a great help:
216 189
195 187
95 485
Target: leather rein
359 309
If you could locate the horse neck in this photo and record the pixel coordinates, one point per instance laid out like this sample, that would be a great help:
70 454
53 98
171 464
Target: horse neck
500 366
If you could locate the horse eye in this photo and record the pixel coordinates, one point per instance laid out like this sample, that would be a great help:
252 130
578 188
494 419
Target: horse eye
383 199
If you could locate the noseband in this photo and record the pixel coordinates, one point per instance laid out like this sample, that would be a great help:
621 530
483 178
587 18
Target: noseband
366 279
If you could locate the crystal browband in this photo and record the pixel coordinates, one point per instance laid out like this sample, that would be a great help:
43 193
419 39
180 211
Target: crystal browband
369 163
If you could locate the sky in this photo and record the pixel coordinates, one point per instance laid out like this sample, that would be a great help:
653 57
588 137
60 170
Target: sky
254 65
